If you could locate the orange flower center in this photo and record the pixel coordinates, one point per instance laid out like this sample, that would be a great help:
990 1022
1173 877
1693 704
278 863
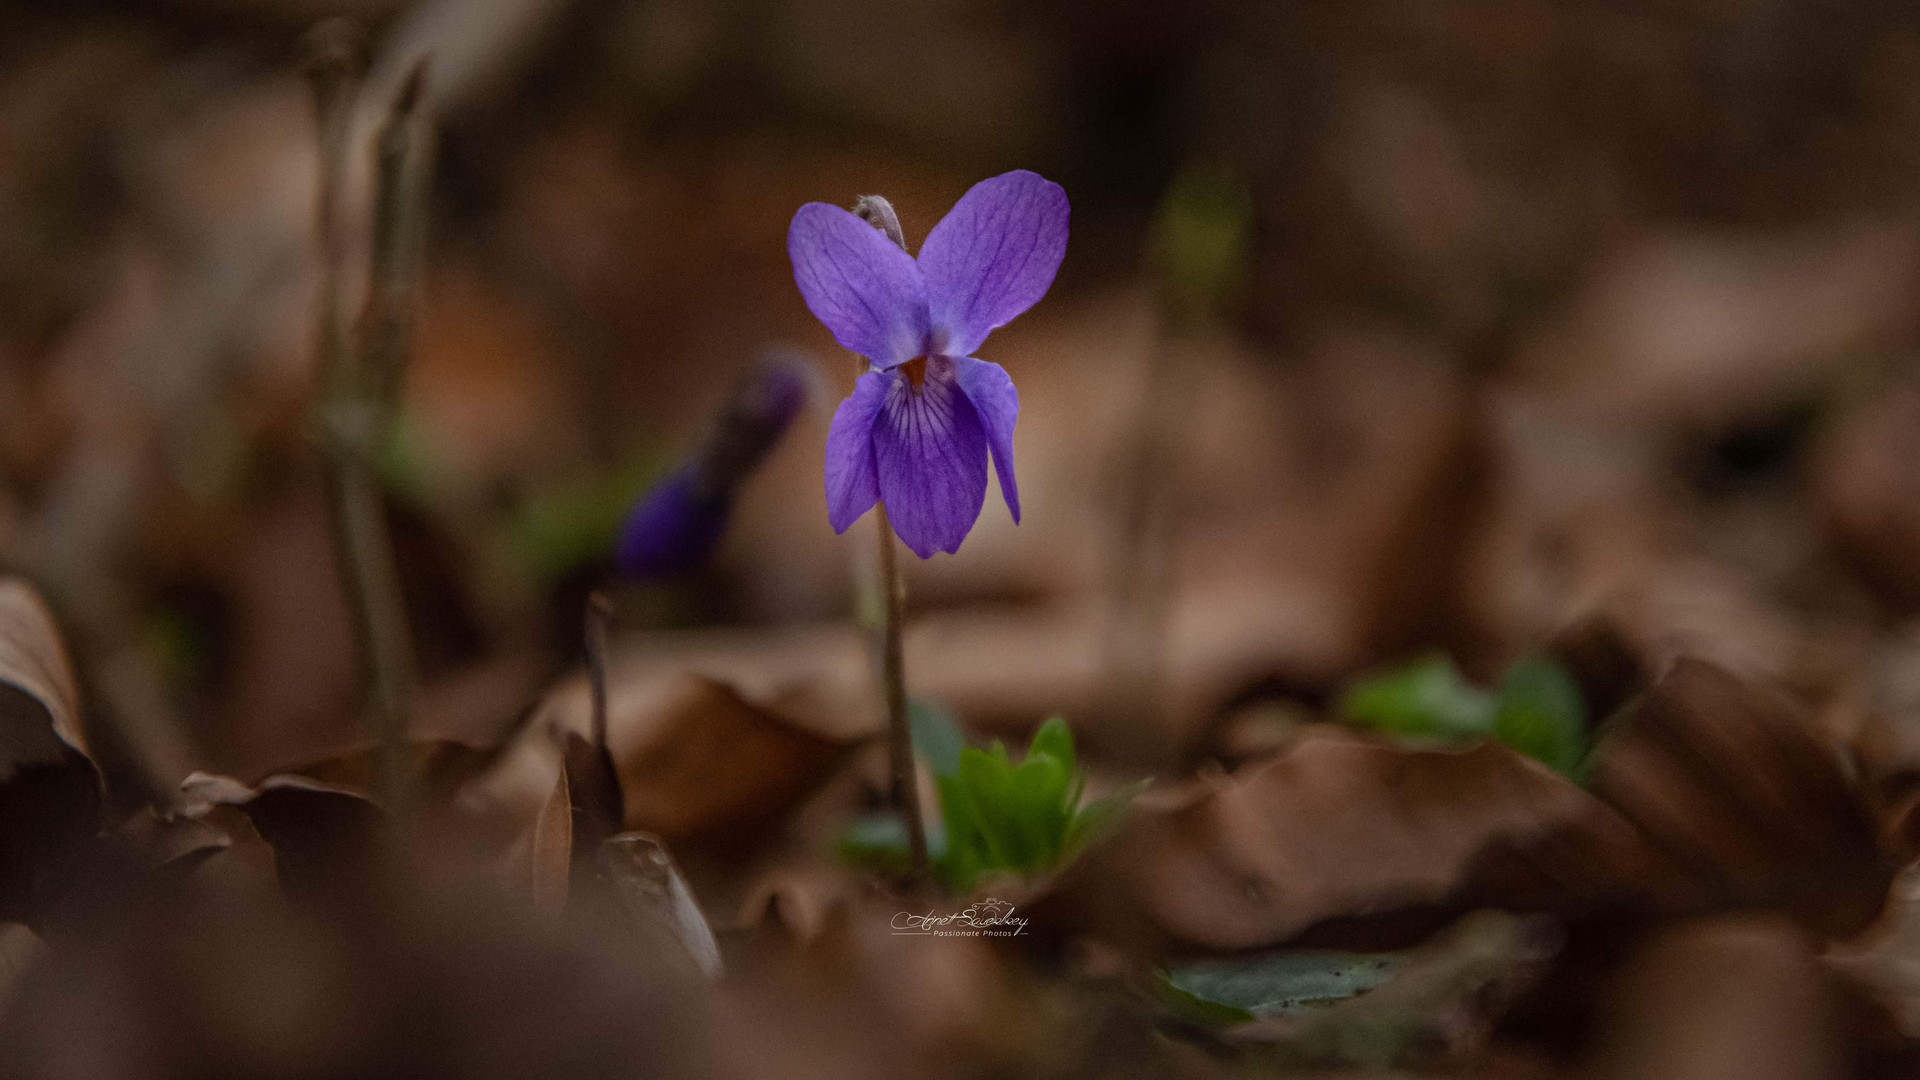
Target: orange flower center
916 370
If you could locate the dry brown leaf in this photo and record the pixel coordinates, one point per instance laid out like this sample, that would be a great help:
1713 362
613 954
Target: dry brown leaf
1700 325
436 769
510 810
167 839
1335 825
50 796
34 661
696 759
325 837
1739 803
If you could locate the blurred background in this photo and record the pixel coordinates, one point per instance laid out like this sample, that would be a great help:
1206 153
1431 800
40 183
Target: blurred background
1387 328
1502 312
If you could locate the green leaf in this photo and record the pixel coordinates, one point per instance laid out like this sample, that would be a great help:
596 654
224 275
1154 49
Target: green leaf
1020 810
936 736
1284 982
1040 812
1540 714
966 854
987 781
998 816
1425 699
1053 738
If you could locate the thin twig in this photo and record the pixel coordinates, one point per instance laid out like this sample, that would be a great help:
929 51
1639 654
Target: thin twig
360 391
599 619
878 212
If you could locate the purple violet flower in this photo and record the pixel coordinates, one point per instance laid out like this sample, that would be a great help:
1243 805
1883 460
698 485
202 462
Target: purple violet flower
918 426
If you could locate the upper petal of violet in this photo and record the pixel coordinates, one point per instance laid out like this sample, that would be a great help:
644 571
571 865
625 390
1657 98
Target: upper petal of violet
931 455
991 390
864 288
993 256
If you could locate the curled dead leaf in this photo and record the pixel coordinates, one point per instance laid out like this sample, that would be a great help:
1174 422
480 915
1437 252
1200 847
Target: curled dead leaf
50 794
34 662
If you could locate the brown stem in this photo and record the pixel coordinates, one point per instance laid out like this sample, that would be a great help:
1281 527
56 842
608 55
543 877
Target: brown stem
893 679
599 619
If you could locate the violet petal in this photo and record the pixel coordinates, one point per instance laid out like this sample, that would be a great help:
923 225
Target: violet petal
993 256
931 454
852 485
865 289
991 390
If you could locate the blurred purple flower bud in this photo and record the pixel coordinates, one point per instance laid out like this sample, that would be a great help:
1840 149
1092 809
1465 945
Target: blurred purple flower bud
675 525
673 528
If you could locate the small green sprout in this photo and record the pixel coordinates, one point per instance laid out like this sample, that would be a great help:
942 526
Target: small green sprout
998 815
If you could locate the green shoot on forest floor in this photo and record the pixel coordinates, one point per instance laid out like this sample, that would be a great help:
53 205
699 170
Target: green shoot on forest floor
998 816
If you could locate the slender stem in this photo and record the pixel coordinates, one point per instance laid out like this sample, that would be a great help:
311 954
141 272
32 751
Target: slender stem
879 213
893 678
360 388
599 618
